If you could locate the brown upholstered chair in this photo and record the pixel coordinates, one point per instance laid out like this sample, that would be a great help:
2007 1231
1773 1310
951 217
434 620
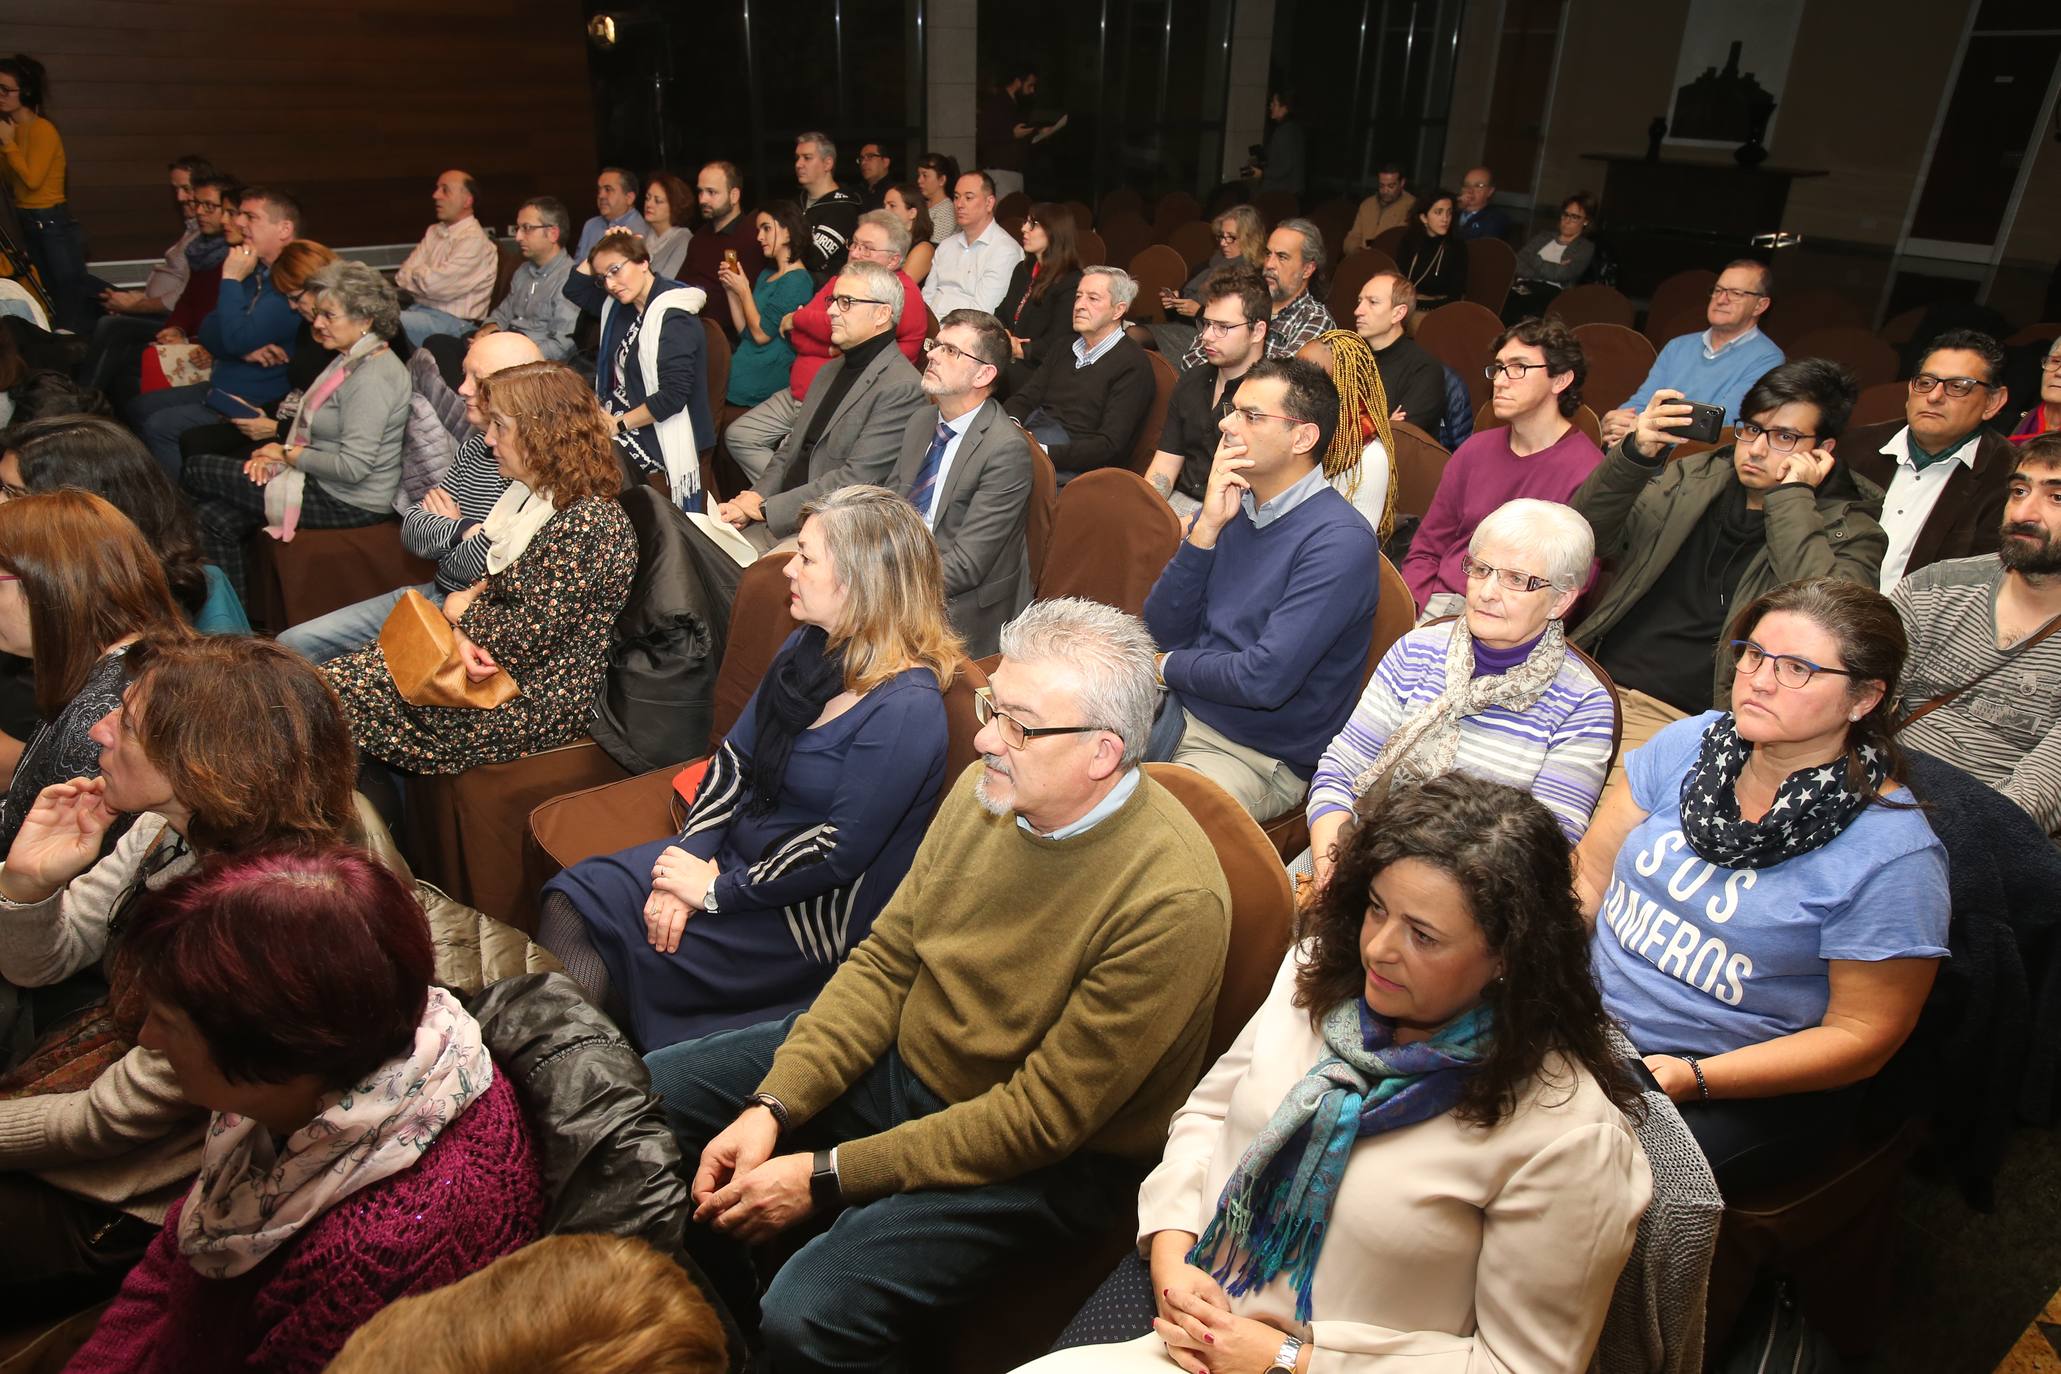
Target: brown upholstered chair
506 259
1797 313
1389 239
1879 404
718 377
1175 207
1354 270
1112 534
1584 420
1420 461
1898 328
1462 335
2042 331
1163 380
1275 206
1157 268
1083 216
1015 203
1334 219
1491 267
1094 252
1871 361
325 570
1678 305
1044 506
1619 358
1124 200
1125 237
1195 241
1594 303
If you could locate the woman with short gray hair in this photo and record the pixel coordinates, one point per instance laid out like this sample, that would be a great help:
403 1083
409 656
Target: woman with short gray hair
339 465
1497 693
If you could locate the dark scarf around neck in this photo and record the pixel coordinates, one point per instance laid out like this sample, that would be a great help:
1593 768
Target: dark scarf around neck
207 250
801 682
1811 807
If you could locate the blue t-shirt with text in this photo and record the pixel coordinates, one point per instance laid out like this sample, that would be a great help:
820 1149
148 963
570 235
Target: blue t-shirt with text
1694 958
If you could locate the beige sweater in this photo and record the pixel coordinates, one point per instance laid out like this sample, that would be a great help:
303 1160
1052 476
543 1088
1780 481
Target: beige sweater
130 1140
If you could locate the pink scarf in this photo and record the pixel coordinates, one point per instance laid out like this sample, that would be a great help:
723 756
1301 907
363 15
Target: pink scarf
283 492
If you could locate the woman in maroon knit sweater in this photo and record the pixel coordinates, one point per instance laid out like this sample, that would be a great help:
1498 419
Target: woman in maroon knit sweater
363 1147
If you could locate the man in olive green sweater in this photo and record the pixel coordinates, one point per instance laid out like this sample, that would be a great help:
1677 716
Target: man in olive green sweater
994 1067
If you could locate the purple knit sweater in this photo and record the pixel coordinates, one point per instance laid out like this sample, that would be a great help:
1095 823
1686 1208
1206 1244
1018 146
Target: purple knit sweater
474 1196
1482 476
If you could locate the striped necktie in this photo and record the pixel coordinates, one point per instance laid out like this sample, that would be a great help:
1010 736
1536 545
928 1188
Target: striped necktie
926 476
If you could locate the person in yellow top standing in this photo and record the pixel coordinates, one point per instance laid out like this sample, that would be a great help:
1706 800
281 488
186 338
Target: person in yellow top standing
32 161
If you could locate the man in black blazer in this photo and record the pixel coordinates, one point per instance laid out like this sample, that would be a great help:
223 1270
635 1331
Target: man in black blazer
966 468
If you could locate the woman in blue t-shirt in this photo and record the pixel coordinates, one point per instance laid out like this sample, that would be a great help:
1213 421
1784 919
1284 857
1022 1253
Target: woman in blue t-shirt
1770 906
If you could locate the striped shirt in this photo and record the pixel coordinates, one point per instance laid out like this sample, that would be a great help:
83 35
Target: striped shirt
475 482
2002 730
1557 751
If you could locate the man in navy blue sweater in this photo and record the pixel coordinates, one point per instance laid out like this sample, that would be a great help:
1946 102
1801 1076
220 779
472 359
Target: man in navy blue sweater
1266 612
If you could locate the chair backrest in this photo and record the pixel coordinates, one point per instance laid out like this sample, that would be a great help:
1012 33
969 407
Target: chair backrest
1015 203
718 377
1872 361
1195 241
960 724
929 322
1275 206
1678 304
1157 268
1585 420
1395 612
1262 902
1899 328
506 259
1126 236
1461 335
1419 462
1353 272
2041 331
1878 404
1123 200
1111 537
1797 313
1175 207
1334 219
1591 304
1044 505
1619 358
759 625
1491 267
1389 239
1163 379
1083 217
1616 705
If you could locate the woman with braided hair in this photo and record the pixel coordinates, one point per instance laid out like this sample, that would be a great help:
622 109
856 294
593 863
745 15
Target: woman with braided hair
1357 463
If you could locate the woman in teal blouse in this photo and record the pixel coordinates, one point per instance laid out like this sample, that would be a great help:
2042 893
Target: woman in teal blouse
760 364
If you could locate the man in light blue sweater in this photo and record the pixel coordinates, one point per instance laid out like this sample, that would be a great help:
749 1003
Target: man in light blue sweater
1719 364
1265 615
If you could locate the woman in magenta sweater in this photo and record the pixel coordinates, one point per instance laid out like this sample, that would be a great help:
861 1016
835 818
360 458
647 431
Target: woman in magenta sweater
363 1146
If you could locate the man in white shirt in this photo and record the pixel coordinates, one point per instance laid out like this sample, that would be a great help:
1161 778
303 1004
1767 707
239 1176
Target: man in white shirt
1946 474
971 269
451 272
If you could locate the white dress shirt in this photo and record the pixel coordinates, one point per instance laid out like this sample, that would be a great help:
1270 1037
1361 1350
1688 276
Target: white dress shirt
971 276
1912 495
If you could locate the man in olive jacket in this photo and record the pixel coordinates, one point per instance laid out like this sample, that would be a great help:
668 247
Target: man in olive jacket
1691 542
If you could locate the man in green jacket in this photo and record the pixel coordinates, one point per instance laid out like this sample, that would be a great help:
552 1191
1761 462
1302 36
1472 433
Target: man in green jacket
1691 542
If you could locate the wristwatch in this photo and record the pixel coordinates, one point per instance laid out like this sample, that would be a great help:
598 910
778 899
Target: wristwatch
823 1189
708 898
1284 1358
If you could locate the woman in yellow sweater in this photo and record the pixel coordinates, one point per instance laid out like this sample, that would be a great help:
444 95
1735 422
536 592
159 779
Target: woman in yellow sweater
32 160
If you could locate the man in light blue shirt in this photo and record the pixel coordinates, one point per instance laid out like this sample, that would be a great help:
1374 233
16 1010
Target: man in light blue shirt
1718 365
615 196
535 304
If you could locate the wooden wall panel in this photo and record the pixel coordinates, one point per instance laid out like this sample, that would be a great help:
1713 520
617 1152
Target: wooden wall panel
355 106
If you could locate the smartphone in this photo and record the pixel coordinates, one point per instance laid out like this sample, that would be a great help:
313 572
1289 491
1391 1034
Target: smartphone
1704 423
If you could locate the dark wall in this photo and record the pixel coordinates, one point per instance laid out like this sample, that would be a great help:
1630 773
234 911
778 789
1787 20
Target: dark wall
353 105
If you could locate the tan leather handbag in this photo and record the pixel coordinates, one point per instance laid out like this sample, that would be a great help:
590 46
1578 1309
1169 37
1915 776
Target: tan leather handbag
422 655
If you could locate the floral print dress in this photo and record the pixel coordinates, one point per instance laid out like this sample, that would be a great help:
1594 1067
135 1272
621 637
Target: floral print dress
545 618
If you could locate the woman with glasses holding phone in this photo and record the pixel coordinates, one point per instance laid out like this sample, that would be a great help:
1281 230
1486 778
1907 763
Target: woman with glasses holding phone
1770 906
809 813
1240 237
1496 693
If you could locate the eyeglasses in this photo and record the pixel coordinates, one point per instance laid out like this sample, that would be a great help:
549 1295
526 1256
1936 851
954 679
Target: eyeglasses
1790 670
931 346
1253 417
1513 370
1228 236
2052 362
1015 734
1957 387
841 304
1779 440
1210 329
1574 215
296 297
1728 293
1510 579
608 273
10 90
522 228
1029 223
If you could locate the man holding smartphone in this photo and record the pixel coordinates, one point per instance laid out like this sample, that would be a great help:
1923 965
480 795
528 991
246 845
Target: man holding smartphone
1718 364
1695 539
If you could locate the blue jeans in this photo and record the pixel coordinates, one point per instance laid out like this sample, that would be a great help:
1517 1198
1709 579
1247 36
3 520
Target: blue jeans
418 322
57 246
350 627
856 1291
160 417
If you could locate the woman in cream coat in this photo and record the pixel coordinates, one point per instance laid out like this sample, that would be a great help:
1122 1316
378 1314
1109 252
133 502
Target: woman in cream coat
1415 1156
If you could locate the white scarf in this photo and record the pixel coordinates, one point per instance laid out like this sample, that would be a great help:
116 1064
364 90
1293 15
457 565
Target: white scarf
515 519
253 1196
676 439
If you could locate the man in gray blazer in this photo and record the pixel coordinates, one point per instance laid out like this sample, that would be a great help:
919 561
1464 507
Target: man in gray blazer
849 431
967 469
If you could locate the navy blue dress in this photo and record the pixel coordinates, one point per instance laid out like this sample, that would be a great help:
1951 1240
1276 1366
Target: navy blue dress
797 888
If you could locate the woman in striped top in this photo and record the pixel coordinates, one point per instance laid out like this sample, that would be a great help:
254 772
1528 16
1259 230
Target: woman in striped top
1498 694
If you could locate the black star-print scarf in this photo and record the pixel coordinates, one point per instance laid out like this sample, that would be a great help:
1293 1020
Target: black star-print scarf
1811 806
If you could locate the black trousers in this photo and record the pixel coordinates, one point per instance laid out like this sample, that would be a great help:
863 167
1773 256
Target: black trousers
63 1252
1755 1141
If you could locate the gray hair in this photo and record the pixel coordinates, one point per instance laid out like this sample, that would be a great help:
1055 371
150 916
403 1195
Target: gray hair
1123 287
1312 243
552 211
1554 537
898 236
361 293
1110 654
881 284
824 147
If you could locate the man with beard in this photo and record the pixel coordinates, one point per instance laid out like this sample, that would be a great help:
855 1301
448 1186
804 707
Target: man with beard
967 471
724 228
1982 684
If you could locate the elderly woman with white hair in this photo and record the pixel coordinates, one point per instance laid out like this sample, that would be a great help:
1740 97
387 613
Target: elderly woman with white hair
1497 693
339 465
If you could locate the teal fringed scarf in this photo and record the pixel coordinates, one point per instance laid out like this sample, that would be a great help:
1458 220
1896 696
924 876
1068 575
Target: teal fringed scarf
1277 1202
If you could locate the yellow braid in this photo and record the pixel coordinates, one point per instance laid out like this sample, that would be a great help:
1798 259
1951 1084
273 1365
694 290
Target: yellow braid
1362 404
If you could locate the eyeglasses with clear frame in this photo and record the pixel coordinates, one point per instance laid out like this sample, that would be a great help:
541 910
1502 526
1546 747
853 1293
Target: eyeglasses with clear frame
1015 734
1790 671
952 352
1956 387
1213 329
1509 579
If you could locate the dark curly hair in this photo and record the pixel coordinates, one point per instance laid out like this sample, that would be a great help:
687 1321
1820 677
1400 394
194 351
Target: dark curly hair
1511 860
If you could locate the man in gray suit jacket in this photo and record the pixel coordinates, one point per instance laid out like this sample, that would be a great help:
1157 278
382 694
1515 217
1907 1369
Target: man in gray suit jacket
966 468
849 431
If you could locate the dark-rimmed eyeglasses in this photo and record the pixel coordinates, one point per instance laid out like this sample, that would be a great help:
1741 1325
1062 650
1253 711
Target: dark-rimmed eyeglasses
1779 440
1957 387
1015 734
1790 670
522 228
1509 579
841 304
1728 293
1513 370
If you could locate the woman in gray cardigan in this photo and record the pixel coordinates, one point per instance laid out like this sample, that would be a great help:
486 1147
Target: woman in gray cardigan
340 463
